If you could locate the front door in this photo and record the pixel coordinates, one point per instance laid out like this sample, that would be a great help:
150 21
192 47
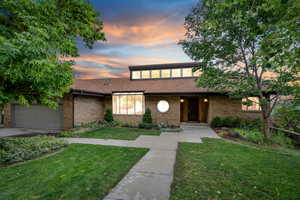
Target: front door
193 109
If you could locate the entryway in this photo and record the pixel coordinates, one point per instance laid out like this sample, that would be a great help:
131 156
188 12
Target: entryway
194 109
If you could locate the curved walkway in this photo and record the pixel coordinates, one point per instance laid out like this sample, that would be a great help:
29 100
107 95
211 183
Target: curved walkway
151 177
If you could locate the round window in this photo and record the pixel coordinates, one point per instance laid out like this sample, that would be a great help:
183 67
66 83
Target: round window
163 106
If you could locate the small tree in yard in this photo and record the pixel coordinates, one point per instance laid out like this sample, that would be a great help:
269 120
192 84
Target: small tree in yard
147 117
246 48
34 36
108 116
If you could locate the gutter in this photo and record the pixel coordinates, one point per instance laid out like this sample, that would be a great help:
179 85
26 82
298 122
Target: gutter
86 93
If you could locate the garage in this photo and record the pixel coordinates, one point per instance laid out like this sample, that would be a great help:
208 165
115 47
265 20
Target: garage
37 117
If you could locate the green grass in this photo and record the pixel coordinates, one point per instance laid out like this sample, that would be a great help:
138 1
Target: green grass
218 169
81 171
119 133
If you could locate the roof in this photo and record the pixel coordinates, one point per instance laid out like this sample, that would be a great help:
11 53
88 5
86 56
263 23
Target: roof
164 66
158 86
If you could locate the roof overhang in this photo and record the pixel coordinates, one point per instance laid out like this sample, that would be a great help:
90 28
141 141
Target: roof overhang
86 93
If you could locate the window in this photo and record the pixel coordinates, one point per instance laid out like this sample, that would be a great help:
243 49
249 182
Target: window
197 73
128 103
163 106
165 73
145 74
176 73
255 104
136 74
186 72
155 73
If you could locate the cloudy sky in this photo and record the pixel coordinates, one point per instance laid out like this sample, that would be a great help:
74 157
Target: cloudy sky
137 32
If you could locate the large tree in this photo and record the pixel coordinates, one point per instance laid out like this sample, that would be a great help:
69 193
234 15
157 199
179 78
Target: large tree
246 48
34 36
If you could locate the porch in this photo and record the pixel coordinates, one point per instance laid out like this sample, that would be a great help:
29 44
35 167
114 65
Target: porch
194 110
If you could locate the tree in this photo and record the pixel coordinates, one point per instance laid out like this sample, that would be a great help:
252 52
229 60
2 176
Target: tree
34 36
108 116
246 48
147 117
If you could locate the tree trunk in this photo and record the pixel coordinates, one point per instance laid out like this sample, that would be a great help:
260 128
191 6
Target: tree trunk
266 119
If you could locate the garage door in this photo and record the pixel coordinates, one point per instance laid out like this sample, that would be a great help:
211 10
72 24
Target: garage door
37 117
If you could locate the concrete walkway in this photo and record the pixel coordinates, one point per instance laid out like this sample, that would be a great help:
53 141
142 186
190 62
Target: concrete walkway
9 132
151 177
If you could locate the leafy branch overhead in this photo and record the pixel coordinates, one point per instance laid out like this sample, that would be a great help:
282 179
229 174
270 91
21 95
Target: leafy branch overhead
246 47
34 35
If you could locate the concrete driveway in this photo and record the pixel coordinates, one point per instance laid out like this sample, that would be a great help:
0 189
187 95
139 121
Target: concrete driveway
9 132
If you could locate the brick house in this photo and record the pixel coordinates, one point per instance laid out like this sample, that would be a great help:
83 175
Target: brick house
169 90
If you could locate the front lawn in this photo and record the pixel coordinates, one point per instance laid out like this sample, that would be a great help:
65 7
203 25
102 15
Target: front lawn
81 171
119 133
217 169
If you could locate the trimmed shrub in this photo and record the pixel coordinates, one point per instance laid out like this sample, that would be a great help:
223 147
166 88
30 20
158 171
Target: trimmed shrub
216 122
108 116
21 149
147 125
147 117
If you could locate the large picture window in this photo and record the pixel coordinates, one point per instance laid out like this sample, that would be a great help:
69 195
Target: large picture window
128 103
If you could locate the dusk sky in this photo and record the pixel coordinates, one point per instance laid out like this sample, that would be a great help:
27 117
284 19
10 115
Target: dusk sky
137 32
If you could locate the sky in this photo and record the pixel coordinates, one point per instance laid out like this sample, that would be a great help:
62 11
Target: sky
138 32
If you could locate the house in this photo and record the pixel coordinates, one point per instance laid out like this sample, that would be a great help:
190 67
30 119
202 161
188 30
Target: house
169 90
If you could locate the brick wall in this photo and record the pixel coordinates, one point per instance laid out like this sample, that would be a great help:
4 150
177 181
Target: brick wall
223 106
7 122
88 109
172 116
68 110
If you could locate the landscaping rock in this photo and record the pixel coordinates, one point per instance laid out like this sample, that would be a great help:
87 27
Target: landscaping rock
234 134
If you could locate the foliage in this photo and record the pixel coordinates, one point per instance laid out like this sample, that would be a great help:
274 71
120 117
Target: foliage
147 117
251 135
21 149
35 39
251 124
246 48
171 129
216 122
287 116
226 122
144 125
108 116
217 169
81 171
282 140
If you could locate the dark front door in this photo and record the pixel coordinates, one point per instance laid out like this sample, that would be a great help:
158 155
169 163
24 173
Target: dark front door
193 109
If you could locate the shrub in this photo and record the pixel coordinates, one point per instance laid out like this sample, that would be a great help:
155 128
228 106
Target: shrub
147 125
21 149
251 124
282 140
216 122
66 134
147 117
251 135
108 116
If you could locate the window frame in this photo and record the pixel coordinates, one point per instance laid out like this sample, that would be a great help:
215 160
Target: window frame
116 103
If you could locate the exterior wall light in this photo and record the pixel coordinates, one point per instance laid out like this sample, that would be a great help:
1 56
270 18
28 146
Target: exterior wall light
205 100
181 100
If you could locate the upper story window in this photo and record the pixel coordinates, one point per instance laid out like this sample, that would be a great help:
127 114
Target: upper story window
132 103
155 73
164 73
136 74
255 104
176 73
145 74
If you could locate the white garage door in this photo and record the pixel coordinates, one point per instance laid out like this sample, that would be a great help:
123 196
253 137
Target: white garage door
37 117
